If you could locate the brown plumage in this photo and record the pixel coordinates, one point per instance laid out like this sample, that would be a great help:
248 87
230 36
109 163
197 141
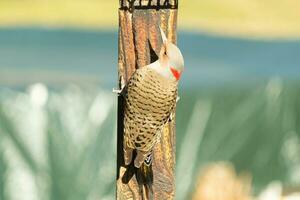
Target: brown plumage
149 100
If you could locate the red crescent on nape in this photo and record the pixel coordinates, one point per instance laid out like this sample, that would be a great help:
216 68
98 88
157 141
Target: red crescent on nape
175 73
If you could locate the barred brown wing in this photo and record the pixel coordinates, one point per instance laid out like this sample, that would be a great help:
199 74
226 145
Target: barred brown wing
149 101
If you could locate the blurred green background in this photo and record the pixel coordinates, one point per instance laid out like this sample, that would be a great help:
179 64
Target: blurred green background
240 99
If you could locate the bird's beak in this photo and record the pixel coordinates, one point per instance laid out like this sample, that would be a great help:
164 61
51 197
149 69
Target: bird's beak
163 35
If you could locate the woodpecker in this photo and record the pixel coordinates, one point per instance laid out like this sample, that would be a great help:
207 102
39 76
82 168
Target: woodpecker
150 98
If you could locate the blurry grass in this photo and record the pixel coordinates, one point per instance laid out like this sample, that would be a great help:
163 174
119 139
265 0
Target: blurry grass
8 128
190 145
3 169
76 168
248 18
73 173
246 126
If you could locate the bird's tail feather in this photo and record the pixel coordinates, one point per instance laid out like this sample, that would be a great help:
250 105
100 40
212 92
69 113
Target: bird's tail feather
145 178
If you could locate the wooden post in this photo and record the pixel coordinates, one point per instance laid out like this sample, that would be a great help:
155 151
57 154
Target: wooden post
139 44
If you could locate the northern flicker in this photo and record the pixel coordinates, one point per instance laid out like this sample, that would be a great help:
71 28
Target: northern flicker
150 98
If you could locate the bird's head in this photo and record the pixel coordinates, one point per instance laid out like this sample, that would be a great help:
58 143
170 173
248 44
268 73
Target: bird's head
171 58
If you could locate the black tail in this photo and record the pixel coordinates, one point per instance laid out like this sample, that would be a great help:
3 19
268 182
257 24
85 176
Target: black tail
144 178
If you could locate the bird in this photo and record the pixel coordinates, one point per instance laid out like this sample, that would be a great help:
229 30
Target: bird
150 99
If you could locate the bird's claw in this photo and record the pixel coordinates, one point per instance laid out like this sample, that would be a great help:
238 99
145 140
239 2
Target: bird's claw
177 99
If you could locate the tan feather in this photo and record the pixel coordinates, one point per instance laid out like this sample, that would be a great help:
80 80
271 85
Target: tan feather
149 101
